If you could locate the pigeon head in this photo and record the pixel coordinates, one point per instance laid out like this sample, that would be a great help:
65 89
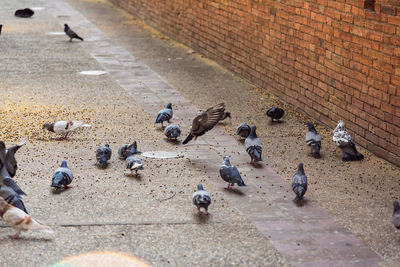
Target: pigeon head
340 125
396 206
169 106
66 26
226 160
253 131
200 187
107 145
48 126
300 167
64 164
310 126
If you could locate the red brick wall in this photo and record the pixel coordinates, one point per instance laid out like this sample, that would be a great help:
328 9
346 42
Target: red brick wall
332 59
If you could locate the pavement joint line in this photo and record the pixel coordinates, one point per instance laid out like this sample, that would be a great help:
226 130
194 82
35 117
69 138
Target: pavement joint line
249 203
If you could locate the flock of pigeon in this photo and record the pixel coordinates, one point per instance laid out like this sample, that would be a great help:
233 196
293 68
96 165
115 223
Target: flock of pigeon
14 213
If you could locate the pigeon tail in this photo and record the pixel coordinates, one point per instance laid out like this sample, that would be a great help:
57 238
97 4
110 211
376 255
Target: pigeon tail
77 124
315 148
241 183
200 187
300 192
396 206
349 157
188 139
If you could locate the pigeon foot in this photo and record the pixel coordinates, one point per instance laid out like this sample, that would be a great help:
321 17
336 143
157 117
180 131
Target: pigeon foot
14 236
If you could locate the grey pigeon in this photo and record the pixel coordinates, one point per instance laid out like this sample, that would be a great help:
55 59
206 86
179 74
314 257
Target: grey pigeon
243 130
62 176
127 150
1 26
202 199
12 197
133 164
103 155
299 183
344 141
24 13
396 214
253 146
230 174
172 131
205 121
313 140
5 177
275 114
71 34
164 114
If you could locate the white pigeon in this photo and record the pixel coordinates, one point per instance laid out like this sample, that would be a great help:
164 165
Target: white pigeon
19 220
64 127
344 141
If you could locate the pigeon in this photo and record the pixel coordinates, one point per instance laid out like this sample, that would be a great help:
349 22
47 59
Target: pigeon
12 197
127 150
71 34
344 141
243 130
299 183
64 127
172 131
275 114
230 174
24 13
5 178
396 214
164 115
133 164
62 176
1 26
253 146
205 121
313 140
103 154
202 199
20 220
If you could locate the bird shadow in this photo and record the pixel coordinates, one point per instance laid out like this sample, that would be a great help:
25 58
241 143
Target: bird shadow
257 165
234 191
276 122
27 238
201 217
160 129
58 191
173 141
134 177
300 203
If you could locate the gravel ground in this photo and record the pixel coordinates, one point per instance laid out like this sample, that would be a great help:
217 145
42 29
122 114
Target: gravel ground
359 195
